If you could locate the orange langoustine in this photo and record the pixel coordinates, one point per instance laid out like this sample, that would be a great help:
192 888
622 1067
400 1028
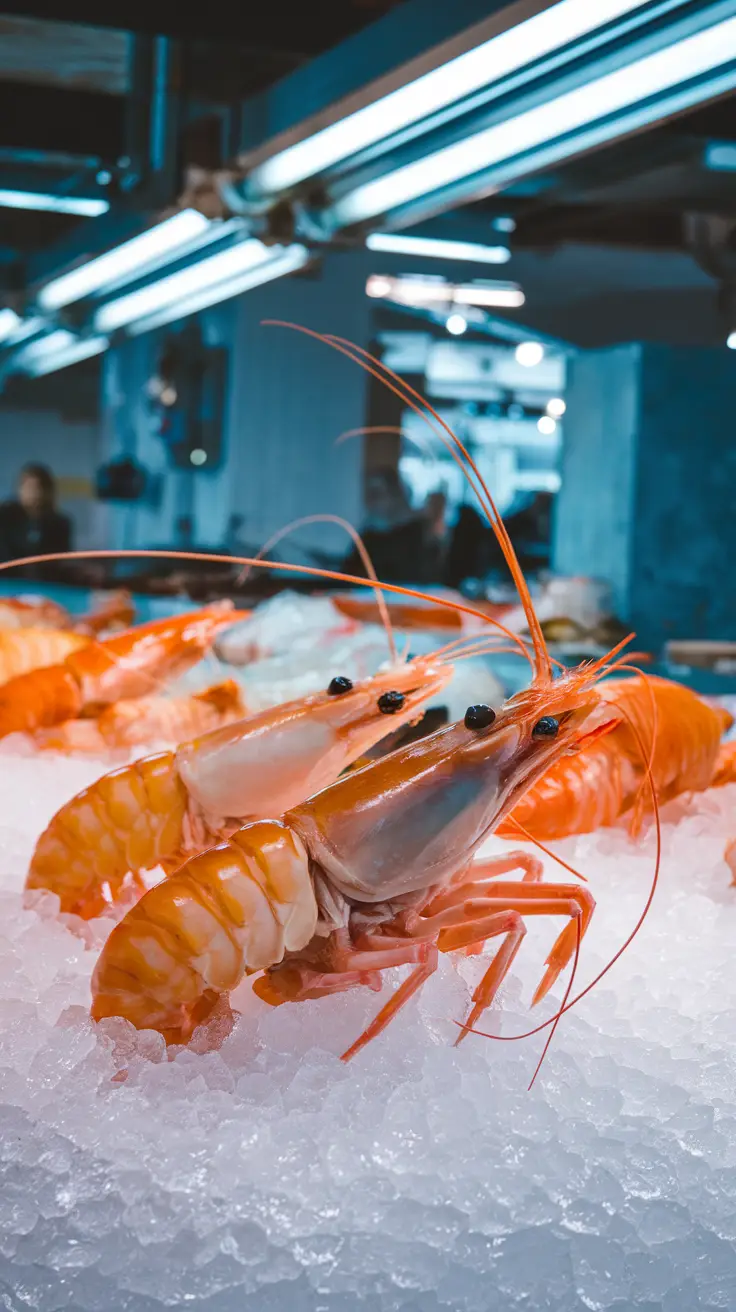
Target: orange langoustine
129 664
133 723
374 871
597 786
158 810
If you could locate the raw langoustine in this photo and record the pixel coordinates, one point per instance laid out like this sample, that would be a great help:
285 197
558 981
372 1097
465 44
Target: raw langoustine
129 724
23 650
162 808
130 664
605 781
373 872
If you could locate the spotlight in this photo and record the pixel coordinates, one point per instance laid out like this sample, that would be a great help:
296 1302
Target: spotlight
547 425
731 341
556 407
456 325
529 354
198 456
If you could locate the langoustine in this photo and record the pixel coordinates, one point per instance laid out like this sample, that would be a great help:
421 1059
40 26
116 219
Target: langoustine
114 611
128 724
160 809
578 794
128 665
373 872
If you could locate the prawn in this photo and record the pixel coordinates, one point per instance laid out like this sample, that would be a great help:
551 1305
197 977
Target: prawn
126 665
375 871
128 724
600 784
372 872
24 649
117 610
32 613
158 810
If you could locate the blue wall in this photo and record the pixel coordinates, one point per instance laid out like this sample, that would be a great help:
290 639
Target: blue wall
648 499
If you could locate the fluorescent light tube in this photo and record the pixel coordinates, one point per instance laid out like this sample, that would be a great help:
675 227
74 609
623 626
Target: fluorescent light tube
169 290
436 248
541 35
73 353
9 323
157 246
433 291
24 329
283 260
503 295
85 206
608 95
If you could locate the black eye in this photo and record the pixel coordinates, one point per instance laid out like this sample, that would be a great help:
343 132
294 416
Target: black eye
339 685
391 702
479 717
547 727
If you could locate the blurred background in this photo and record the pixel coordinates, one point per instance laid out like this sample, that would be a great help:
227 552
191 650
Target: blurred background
526 210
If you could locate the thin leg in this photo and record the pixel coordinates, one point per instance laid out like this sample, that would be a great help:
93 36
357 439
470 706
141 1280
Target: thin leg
494 866
452 922
511 924
395 1003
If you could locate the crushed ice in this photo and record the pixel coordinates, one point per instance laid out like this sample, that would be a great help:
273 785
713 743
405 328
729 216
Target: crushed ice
266 1175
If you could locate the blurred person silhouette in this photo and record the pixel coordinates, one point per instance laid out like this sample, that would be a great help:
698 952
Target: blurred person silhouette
31 525
394 533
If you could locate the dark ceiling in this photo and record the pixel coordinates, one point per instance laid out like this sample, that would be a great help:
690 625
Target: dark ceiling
637 193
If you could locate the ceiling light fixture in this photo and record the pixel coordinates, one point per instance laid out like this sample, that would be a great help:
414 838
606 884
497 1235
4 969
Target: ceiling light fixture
57 351
599 102
142 254
456 325
436 248
88 207
9 323
209 284
491 61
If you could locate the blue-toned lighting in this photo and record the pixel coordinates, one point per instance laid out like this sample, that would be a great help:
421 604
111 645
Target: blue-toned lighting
598 101
9 323
86 206
209 282
142 254
493 60
436 248
57 351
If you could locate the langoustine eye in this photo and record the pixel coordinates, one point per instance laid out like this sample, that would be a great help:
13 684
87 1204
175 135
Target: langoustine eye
339 685
479 717
547 727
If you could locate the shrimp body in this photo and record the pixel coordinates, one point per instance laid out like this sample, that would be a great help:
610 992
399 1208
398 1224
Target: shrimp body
129 724
156 810
237 907
371 872
130 664
33 613
132 819
25 649
603 782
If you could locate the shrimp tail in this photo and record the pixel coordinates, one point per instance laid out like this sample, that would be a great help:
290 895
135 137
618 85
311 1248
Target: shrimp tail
232 910
132 819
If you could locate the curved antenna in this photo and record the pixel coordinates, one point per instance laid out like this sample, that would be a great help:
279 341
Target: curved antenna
543 671
280 566
363 552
